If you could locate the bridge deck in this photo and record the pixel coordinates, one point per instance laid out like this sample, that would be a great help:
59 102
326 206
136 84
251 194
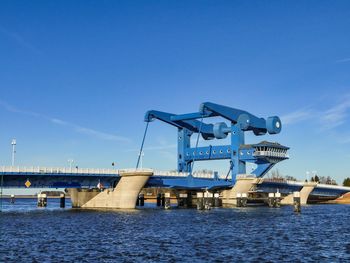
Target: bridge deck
59 177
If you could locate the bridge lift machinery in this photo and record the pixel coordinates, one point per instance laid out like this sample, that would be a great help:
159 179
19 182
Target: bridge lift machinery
265 154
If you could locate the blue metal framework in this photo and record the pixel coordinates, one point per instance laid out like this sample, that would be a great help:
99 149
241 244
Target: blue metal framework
265 154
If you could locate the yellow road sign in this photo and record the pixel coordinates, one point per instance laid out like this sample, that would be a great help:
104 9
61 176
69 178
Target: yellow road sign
28 183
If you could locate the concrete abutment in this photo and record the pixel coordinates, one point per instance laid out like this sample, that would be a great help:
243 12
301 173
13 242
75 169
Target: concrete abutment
123 196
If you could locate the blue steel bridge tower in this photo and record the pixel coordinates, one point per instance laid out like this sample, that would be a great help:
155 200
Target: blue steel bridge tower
264 154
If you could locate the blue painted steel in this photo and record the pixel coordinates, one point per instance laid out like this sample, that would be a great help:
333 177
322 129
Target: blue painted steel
187 183
58 180
208 153
282 187
288 188
328 191
189 116
241 121
63 180
191 125
187 124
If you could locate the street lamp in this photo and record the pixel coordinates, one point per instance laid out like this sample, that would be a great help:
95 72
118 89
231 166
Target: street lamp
70 161
13 143
307 175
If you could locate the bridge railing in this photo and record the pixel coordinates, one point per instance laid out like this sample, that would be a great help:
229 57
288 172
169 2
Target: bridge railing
278 154
56 170
184 174
131 170
94 171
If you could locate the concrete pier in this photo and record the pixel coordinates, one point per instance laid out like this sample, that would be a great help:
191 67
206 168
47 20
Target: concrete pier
244 184
304 194
80 196
123 196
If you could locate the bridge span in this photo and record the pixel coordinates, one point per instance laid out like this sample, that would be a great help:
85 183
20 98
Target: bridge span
92 178
120 188
63 177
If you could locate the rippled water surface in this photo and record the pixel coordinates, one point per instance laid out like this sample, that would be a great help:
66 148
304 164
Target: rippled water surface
321 233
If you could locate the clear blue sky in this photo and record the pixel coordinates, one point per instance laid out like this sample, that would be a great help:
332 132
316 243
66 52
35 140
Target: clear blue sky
76 77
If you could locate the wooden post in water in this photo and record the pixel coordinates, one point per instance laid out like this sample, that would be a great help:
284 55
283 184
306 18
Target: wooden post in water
278 199
244 199
182 200
159 199
142 199
208 197
167 201
238 199
296 202
42 200
200 201
62 200
271 200
217 200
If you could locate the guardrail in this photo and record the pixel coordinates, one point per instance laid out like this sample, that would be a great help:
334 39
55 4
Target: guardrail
331 186
184 174
271 154
56 170
68 170
131 170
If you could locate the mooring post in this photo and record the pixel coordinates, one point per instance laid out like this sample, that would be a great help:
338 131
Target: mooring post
271 200
159 199
278 199
296 202
12 199
217 200
189 200
142 199
182 201
244 199
200 203
138 200
167 201
62 200
208 197
163 200
42 200
238 199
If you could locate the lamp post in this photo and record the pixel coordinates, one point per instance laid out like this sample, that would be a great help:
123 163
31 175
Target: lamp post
307 175
13 143
70 161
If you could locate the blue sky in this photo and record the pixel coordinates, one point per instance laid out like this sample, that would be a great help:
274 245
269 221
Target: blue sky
76 77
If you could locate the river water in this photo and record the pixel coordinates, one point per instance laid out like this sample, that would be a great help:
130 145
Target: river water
321 233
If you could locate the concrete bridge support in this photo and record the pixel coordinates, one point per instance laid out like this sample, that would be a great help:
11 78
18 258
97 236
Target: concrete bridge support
304 194
123 196
243 185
